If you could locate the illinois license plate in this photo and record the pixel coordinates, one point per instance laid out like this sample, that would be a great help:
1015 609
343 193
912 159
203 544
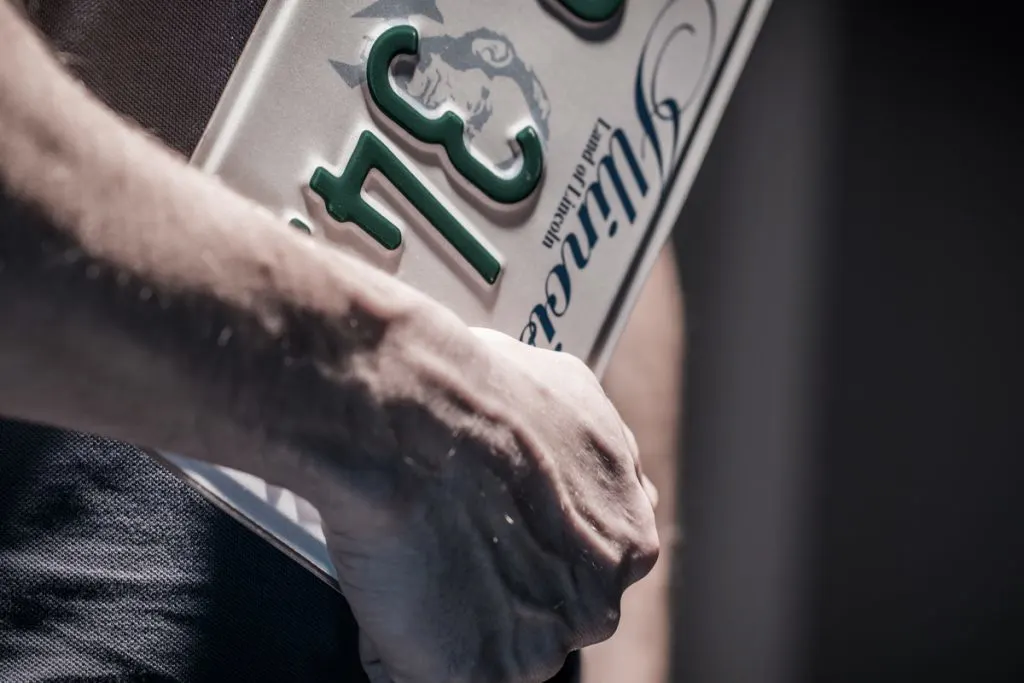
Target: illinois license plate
522 162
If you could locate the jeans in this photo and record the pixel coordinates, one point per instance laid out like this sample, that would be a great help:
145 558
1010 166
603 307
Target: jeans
112 569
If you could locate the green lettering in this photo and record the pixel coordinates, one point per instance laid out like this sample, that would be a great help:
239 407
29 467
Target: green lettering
448 130
593 10
343 198
300 225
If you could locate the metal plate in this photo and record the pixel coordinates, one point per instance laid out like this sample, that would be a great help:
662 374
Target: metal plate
624 108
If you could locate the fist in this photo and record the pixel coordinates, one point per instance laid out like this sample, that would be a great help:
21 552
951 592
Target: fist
499 532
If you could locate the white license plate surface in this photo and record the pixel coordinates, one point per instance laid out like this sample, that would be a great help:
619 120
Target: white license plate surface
522 162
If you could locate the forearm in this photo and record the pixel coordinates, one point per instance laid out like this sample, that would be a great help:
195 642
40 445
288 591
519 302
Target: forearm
145 301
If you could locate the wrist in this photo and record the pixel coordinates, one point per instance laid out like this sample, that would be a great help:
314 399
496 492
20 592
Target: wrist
353 424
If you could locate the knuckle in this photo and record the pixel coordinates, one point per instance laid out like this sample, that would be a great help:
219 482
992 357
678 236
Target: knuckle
604 624
599 621
643 555
543 656
609 623
594 613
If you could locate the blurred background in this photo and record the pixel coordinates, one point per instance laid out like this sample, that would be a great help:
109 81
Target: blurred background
853 487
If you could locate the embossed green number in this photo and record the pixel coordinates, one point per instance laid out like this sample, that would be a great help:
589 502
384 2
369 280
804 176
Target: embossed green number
343 194
448 130
593 10
343 197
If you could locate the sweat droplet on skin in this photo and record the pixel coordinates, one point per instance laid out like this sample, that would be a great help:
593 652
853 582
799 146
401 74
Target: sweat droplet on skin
224 337
509 519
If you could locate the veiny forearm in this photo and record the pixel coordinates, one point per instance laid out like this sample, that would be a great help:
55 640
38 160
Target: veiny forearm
142 300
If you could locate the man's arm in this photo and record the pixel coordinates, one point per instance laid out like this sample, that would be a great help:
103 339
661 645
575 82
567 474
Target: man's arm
481 499
143 300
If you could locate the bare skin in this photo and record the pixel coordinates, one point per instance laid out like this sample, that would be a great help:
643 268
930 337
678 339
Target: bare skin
482 499
644 380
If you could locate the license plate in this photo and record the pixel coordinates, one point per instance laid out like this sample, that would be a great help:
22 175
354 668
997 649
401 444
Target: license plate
522 162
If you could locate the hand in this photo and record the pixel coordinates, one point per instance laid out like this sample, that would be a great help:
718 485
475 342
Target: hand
502 532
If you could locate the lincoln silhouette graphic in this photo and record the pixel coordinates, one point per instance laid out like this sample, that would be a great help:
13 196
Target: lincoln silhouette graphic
469 72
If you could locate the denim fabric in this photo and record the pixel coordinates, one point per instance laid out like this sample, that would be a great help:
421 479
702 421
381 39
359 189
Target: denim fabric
111 568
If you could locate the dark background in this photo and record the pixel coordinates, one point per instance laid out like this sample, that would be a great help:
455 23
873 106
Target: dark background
852 480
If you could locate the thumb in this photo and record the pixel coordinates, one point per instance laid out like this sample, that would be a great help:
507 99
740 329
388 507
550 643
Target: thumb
372 664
